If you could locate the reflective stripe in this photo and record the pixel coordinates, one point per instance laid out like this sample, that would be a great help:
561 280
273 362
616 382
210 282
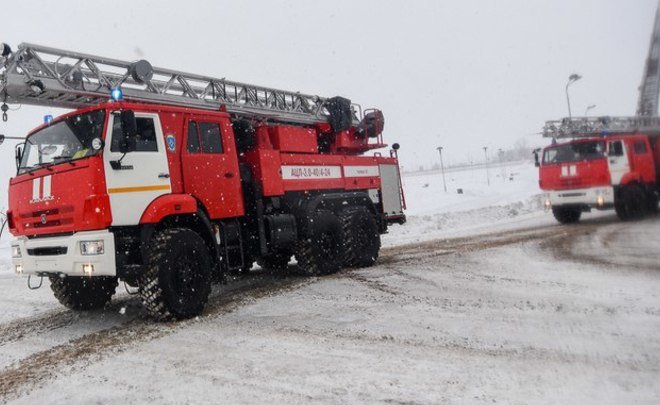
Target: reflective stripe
46 191
138 189
36 193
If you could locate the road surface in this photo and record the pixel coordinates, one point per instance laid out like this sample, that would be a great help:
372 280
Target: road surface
567 314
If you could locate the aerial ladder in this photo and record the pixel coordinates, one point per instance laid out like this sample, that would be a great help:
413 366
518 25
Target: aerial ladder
45 76
650 87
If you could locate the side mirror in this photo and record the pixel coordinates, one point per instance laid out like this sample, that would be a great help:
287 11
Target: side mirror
18 154
128 131
536 158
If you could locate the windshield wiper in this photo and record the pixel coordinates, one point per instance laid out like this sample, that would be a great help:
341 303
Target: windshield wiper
42 165
63 159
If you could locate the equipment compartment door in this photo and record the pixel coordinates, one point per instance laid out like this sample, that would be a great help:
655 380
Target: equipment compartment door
144 174
389 178
210 166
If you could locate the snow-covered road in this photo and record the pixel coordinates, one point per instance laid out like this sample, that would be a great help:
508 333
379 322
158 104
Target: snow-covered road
481 297
544 314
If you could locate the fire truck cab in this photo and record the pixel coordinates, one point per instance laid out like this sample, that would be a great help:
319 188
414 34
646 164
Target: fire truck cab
617 171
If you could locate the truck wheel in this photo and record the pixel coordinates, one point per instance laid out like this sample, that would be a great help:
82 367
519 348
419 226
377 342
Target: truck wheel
631 204
361 237
177 279
83 293
566 215
277 262
322 251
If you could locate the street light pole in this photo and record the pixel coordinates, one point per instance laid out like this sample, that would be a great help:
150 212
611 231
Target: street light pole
571 79
442 168
500 153
487 173
589 108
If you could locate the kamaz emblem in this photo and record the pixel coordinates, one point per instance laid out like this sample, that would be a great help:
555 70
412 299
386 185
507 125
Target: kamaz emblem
171 142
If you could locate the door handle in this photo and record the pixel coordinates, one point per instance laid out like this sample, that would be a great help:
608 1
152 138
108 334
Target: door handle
163 176
229 175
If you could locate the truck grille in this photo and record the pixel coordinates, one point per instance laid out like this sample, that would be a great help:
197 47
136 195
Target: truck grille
48 218
573 182
48 251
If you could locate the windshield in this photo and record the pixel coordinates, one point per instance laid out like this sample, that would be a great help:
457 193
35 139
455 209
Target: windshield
63 141
574 152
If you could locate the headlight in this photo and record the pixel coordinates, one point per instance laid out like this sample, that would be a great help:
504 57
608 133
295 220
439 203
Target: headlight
16 252
92 247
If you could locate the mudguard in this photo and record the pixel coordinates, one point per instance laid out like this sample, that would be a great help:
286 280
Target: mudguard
631 177
166 205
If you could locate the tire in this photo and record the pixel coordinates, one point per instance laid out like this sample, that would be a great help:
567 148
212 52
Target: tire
361 237
631 203
322 251
83 293
278 262
566 215
177 280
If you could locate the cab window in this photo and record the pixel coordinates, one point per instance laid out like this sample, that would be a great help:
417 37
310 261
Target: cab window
193 138
615 148
145 139
63 141
640 147
574 152
204 137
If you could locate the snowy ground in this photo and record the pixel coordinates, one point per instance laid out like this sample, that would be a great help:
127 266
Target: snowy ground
479 298
494 198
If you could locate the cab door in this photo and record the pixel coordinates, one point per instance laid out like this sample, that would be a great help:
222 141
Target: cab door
641 159
143 174
210 166
617 160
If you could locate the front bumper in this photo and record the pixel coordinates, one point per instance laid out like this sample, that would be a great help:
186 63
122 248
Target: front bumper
593 197
61 255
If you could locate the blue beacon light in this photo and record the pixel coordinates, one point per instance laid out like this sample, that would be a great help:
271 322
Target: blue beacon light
116 94
48 119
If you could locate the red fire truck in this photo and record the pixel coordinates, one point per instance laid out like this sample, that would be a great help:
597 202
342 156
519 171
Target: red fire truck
611 162
168 180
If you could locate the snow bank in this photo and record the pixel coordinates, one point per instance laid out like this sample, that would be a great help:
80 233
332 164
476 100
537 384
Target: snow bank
496 197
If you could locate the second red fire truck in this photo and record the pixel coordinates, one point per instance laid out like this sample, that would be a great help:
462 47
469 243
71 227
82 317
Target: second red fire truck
610 162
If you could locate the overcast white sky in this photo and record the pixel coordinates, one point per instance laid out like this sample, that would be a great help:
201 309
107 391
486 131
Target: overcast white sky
458 74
